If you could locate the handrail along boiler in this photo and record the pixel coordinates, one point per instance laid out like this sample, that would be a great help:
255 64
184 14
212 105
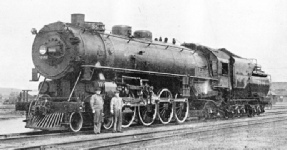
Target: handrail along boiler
157 80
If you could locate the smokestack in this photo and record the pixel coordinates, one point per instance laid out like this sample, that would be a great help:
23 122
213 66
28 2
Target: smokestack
78 19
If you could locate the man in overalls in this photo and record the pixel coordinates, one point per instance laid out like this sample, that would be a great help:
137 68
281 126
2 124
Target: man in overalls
116 110
97 104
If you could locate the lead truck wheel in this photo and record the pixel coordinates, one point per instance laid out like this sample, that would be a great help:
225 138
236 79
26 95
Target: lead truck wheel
76 121
108 122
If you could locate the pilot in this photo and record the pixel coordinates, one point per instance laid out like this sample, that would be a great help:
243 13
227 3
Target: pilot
97 104
116 110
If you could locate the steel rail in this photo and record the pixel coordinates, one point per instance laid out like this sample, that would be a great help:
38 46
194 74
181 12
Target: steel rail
124 139
39 134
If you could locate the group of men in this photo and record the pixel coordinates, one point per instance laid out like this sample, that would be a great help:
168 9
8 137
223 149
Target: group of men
97 105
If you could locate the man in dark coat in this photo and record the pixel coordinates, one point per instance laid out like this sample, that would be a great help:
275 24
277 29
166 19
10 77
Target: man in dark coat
97 104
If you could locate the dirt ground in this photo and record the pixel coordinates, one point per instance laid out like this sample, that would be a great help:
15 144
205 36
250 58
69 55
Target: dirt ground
8 112
265 136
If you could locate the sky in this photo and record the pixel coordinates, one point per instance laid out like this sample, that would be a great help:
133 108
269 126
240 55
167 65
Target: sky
248 28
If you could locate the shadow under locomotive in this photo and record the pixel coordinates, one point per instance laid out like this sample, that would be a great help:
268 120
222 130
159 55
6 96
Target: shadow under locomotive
156 79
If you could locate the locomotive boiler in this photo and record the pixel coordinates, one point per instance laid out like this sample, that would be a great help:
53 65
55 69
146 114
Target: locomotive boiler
158 81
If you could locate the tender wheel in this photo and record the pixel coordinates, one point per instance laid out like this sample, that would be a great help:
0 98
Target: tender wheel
242 110
249 111
262 108
237 112
76 121
231 114
129 114
147 114
206 114
180 111
165 111
108 122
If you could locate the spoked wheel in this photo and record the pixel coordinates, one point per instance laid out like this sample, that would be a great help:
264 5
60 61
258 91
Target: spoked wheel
147 114
129 114
76 121
237 112
249 110
206 114
262 108
180 111
230 114
165 111
242 110
108 122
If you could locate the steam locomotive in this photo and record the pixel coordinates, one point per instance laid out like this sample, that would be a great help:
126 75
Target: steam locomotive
159 81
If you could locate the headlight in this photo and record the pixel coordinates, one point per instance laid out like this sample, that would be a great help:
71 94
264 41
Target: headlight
43 50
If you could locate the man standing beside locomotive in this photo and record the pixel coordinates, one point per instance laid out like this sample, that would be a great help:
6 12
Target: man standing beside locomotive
116 110
97 107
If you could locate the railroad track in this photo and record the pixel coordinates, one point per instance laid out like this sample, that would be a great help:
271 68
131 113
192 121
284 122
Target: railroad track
33 135
43 135
133 136
138 138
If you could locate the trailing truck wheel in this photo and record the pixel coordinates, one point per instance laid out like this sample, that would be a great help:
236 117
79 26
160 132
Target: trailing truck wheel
165 111
147 114
250 111
76 121
108 122
180 110
209 110
128 116
206 114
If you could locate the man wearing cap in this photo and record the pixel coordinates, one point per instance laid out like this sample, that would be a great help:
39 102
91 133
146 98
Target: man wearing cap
97 107
116 110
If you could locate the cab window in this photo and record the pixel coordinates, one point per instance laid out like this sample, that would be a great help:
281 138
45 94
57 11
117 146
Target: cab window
224 68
